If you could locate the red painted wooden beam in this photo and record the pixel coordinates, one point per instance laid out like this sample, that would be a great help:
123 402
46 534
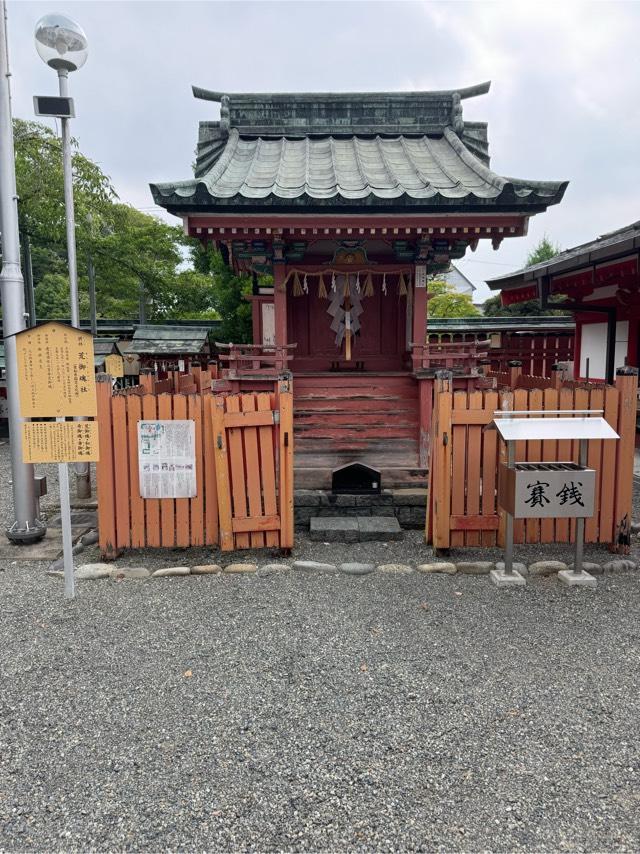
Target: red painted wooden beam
359 224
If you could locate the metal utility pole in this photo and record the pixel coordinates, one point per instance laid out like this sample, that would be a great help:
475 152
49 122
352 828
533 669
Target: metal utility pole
82 470
30 296
91 273
142 300
26 527
63 80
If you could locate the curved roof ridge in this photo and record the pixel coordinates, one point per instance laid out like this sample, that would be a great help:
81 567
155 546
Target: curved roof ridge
464 92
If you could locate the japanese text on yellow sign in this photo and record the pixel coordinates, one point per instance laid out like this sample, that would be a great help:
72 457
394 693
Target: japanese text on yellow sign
60 441
55 372
114 365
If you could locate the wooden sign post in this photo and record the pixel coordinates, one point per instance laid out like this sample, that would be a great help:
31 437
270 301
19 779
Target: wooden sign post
57 380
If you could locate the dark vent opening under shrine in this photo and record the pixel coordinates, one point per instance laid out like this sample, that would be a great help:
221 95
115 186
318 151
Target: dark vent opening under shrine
356 479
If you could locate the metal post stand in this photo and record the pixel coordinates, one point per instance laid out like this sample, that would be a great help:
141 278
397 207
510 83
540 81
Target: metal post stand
508 576
577 577
548 489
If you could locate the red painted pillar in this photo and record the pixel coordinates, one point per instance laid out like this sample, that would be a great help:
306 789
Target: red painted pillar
256 319
280 303
425 398
419 332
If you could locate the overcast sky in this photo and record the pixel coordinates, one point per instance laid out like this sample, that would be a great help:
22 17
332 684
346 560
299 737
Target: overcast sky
563 101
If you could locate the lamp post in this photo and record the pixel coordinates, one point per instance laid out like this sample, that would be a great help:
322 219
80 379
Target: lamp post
26 526
62 45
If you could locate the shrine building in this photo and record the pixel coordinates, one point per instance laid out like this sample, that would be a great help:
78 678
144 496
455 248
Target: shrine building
598 282
351 201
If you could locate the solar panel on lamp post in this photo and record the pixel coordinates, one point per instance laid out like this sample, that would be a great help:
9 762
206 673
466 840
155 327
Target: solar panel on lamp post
62 44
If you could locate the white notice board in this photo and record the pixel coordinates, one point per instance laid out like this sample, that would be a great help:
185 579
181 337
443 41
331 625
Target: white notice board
167 459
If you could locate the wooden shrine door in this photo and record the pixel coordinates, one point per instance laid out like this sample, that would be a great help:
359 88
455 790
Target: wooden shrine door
253 447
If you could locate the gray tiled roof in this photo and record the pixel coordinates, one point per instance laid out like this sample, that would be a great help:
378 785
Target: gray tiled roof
169 340
406 149
610 245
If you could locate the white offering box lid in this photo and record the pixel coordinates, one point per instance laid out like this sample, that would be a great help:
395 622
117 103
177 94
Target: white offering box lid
513 428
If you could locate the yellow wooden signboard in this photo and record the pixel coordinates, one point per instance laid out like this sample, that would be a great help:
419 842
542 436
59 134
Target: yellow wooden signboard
60 441
55 372
114 365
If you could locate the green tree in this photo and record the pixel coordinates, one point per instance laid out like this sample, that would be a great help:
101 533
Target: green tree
544 250
133 254
448 302
39 178
228 293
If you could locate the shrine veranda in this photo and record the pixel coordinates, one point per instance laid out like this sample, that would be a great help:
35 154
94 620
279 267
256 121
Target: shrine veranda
351 202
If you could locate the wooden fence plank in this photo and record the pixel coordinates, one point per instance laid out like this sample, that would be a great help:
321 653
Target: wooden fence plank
210 484
506 400
254 478
256 524
121 470
238 482
167 505
222 475
480 416
196 505
250 419
459 456
152 505
489 468
285 401
549 454
594 461
627 385
609 462
534 454
520 402
580 401
442 473
268 469
134 415
565 401
104 471
474 457
182 504
472 524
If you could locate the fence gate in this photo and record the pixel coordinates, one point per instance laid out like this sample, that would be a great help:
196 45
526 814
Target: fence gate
253 448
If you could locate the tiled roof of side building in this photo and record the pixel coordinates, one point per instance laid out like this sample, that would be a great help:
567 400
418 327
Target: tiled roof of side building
402 150
169 340
610 244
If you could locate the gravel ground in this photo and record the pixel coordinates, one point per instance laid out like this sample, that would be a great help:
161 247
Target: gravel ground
318 713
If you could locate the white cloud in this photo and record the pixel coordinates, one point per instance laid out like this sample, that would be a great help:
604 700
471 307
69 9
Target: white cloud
562 104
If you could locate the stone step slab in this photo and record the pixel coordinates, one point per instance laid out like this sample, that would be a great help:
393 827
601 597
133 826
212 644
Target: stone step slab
353 529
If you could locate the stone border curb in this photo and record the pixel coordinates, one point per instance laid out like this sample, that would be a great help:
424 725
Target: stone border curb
536 569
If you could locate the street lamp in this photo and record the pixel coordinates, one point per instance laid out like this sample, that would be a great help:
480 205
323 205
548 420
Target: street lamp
63 45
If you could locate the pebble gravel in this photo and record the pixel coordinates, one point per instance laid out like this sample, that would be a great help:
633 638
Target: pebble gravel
307 712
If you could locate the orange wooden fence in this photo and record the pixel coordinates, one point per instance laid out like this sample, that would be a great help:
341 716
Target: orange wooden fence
462 506
259 469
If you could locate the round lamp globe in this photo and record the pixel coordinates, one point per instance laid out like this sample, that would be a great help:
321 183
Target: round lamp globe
61 42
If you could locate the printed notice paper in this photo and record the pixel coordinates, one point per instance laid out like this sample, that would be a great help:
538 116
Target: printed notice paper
167 459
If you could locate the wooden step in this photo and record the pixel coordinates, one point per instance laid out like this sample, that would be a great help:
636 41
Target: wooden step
305 419
357 404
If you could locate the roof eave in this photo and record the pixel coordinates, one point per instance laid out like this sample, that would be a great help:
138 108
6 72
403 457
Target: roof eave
513 281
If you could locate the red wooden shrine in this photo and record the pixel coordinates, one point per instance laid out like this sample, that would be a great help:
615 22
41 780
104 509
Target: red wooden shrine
351 202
